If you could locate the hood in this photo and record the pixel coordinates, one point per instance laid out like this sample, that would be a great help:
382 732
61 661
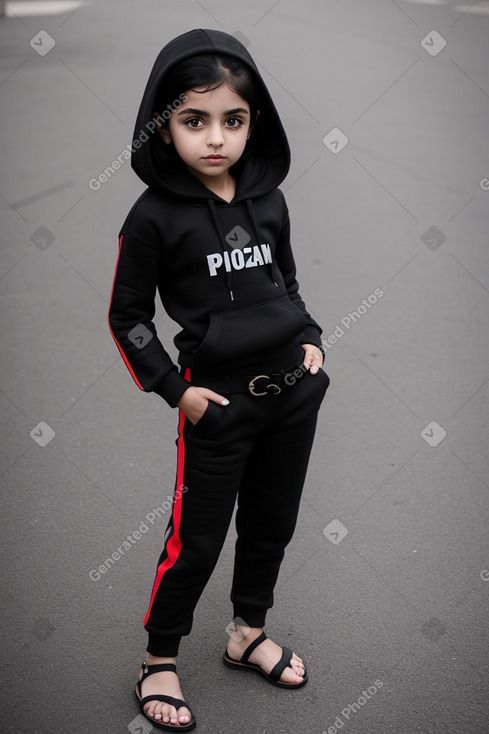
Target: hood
266 159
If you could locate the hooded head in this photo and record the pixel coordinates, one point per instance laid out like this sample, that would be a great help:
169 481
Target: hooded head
266 159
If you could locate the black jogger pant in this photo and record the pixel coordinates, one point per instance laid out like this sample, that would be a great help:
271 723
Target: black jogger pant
256 449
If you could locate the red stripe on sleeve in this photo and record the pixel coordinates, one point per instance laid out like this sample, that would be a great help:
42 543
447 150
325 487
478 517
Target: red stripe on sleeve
133 374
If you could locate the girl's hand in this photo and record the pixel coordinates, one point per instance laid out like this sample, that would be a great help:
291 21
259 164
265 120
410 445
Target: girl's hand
195 400
313 358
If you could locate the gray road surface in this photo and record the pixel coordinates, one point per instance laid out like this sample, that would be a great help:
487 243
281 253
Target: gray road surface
385 588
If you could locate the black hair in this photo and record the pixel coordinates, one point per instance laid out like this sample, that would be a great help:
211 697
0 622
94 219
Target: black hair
209 71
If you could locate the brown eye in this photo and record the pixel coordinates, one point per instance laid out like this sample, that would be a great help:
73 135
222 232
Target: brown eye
233 122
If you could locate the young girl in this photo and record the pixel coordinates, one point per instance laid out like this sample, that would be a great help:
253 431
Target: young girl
211 233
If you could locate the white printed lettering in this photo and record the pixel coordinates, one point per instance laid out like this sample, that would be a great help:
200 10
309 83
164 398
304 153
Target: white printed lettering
214 261
255 256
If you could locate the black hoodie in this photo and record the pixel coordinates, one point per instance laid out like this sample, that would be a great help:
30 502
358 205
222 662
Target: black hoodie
224 271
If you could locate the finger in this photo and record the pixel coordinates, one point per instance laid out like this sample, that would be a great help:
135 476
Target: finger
214 396
313 361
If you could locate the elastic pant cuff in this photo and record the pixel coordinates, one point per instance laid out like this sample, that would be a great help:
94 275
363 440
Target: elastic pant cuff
251 617
163 647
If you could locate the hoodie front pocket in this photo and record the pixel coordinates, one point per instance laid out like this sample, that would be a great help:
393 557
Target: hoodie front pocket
244 331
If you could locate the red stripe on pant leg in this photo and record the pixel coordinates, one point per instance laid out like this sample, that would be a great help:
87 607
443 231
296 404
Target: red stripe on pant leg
174 544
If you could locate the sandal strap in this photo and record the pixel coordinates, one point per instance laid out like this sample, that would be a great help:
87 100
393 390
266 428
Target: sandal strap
283 663
151 669
252 646
177 702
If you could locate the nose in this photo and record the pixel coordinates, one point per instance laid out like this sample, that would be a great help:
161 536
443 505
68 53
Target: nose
214 135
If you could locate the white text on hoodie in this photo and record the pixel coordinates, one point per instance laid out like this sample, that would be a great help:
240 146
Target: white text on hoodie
248 257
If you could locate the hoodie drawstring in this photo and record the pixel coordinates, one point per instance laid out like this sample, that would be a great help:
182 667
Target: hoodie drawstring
251 212
212 209
224 245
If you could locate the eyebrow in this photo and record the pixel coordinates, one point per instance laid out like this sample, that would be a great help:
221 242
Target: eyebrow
203 113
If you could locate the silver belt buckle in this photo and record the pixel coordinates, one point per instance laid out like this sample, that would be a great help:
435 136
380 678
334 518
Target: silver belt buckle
251 386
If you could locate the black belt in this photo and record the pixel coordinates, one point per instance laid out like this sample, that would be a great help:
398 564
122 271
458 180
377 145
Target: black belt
257 385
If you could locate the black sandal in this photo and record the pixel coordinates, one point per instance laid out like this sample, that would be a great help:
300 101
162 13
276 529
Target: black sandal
177 702
273 676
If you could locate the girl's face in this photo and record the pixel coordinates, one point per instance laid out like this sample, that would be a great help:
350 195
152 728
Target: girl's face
209 132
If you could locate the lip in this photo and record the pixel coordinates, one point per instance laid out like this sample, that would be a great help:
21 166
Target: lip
214 158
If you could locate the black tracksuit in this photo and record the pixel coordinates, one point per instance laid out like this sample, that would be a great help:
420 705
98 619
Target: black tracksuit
226 274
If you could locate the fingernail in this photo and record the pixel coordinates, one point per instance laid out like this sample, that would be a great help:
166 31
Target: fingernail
224 402
314 369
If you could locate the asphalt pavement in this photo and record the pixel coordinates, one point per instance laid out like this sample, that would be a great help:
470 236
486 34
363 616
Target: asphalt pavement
384 590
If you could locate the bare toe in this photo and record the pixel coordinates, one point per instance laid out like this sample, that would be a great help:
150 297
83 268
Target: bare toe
152 711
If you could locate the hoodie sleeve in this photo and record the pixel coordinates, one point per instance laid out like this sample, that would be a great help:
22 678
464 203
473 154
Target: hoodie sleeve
286 263
131 313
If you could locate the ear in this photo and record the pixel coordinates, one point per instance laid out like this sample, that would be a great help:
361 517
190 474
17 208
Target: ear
253 123
163 130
